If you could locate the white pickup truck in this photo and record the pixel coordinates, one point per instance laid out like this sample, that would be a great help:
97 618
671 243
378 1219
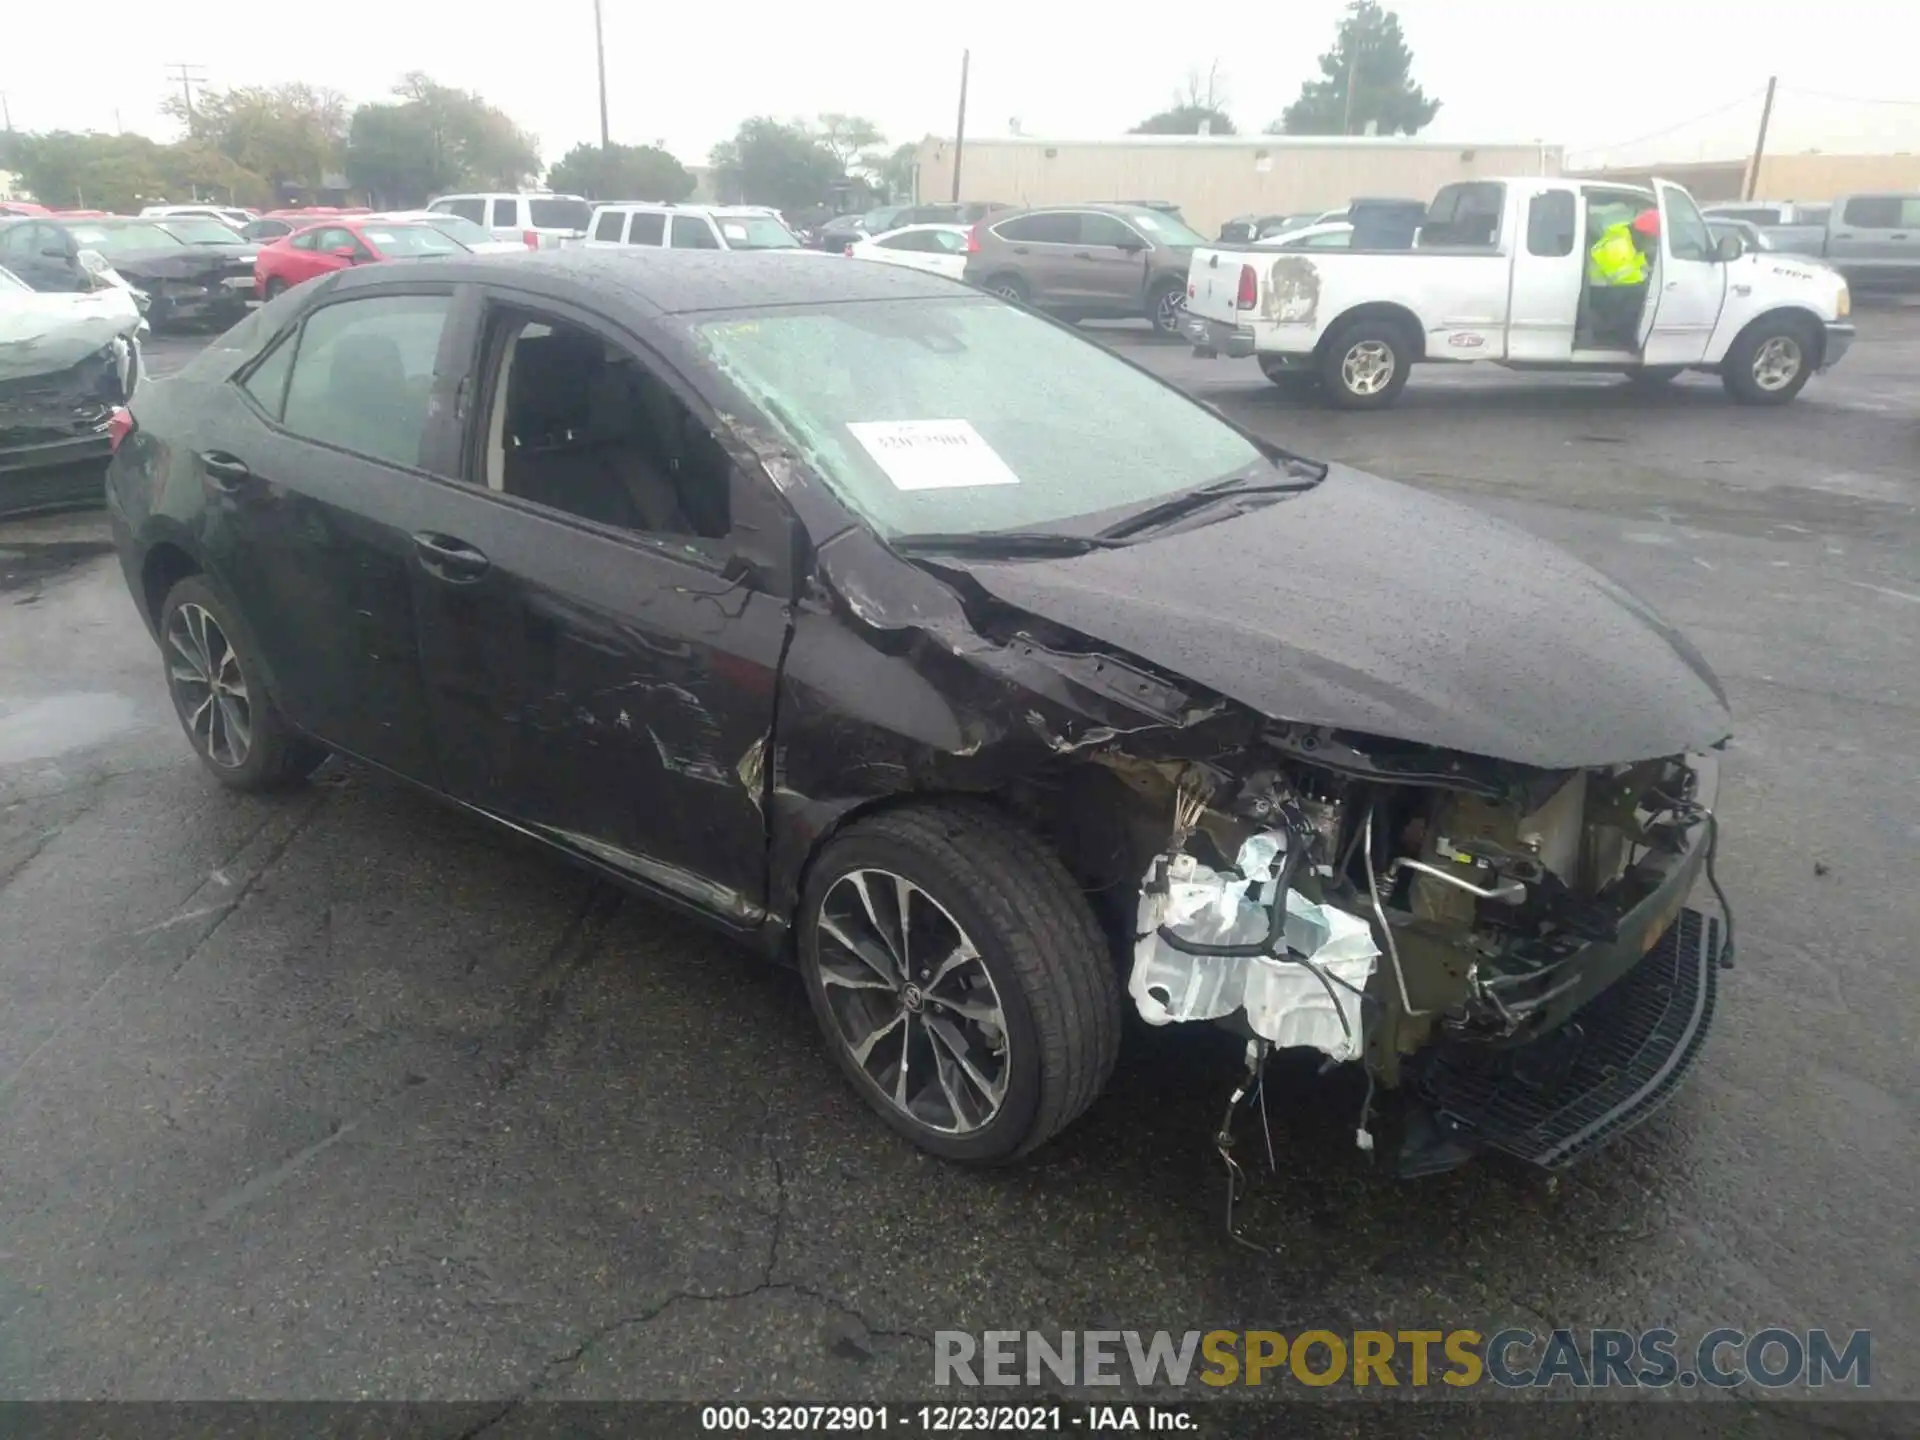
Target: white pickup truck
1497 271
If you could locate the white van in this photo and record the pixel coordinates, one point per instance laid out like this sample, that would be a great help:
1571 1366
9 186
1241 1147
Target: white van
540 220
690 227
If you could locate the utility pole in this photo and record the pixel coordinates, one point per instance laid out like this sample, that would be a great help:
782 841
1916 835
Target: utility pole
1760 143
6 110
960 125
600 53
188 76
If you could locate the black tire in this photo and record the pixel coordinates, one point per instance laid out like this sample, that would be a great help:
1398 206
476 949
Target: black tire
1010 288
1654 377
275 288
1337 379
1053 977
1752 370
274 757
1167 308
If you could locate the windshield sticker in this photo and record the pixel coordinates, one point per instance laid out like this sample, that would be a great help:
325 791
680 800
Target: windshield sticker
932 454
734 232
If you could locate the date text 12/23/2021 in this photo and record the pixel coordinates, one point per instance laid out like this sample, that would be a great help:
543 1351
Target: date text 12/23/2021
949 1419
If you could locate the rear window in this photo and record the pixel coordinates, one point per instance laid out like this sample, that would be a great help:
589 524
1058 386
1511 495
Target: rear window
607 227
472 208
1882 212
553 213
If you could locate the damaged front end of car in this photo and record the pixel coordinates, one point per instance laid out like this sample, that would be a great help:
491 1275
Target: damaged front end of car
63 373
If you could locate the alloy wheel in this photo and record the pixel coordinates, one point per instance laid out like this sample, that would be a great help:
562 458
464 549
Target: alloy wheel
1368 367
1167 313
1009 292
1776 364
204 672
912 1001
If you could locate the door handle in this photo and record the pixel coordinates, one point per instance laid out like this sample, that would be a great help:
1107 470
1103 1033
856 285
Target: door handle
1020 250
1898 235
228 472
1083 255
448 557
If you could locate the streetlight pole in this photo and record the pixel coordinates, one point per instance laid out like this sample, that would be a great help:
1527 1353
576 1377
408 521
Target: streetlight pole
600 55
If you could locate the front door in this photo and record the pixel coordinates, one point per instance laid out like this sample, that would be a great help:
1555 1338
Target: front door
1689 283
600 665
311 513
1549 269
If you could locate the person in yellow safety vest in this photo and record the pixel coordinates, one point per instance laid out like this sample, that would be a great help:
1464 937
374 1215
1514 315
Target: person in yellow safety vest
1617 276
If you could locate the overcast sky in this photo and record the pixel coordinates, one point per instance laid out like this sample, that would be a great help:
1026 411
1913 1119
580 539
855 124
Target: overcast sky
686 74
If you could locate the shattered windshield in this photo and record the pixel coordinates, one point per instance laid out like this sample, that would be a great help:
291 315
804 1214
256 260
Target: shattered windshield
964 415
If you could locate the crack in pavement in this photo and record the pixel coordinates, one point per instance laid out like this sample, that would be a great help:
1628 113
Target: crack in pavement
557 1367
579 941
272 858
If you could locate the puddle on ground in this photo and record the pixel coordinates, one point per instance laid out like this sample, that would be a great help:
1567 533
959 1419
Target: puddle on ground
43 726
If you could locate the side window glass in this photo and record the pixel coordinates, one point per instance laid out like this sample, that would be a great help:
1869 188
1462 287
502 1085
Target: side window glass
1550 223
363 375
1687 234
580 425
607 227
1910 213
469 209
692 232
1054 228
268 382
648 227
1097 229
1872 212
506 214
304 240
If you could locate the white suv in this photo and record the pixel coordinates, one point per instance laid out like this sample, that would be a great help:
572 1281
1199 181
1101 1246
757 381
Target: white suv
540 220
690 227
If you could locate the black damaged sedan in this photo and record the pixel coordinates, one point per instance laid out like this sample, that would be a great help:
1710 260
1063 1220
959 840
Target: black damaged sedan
967 666
205 282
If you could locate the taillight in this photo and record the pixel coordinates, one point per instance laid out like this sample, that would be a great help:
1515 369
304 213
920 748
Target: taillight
532 239
120 424
1249 295
973 240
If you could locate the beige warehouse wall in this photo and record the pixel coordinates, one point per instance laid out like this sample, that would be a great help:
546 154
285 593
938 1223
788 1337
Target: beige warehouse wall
1827 177
1213 180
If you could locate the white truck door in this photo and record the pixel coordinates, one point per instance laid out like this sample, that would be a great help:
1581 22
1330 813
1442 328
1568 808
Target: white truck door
1689 284
1549 266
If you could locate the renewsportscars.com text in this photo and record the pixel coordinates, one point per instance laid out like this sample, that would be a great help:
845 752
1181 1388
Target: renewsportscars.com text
1770 1358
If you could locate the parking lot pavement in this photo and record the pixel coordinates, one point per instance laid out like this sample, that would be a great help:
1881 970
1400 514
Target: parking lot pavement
343 1095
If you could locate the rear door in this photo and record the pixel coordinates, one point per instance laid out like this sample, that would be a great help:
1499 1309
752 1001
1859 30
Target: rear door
1689 284
1042 246
314 491
1876 235
647 228
504 218
1549 268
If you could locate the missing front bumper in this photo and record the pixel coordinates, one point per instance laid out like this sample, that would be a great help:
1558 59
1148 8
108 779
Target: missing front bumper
1614 1064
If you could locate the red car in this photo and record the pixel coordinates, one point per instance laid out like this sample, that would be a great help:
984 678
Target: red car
340 241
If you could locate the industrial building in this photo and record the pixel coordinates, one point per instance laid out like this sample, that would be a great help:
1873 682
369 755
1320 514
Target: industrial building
1215 177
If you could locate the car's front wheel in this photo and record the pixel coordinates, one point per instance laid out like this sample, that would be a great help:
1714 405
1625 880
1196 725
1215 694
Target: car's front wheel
1167 307
1770 361
220 697
960 979
275 288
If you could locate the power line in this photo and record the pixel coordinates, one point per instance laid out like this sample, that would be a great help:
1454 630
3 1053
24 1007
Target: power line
1745 99
188 76
1848 99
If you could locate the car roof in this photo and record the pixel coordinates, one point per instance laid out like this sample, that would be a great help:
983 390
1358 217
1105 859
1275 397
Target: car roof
678 281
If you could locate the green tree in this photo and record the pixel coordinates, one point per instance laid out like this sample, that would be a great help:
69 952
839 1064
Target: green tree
286 134
1366 80
768 163
621 172
1201 101
896 172
432 138
851 139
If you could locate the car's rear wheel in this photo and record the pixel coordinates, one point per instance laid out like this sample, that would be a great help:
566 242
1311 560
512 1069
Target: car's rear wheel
1770 361
1167 307
1364 365
275 288
960 979
220 697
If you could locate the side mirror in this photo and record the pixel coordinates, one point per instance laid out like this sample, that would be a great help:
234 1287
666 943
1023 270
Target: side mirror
346 252
1730 247
1132 247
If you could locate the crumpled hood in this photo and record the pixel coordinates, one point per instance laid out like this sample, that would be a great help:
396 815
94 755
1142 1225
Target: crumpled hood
186 263
1371 606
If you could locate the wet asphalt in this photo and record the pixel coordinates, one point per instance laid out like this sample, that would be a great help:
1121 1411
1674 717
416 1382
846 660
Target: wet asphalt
342 1095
